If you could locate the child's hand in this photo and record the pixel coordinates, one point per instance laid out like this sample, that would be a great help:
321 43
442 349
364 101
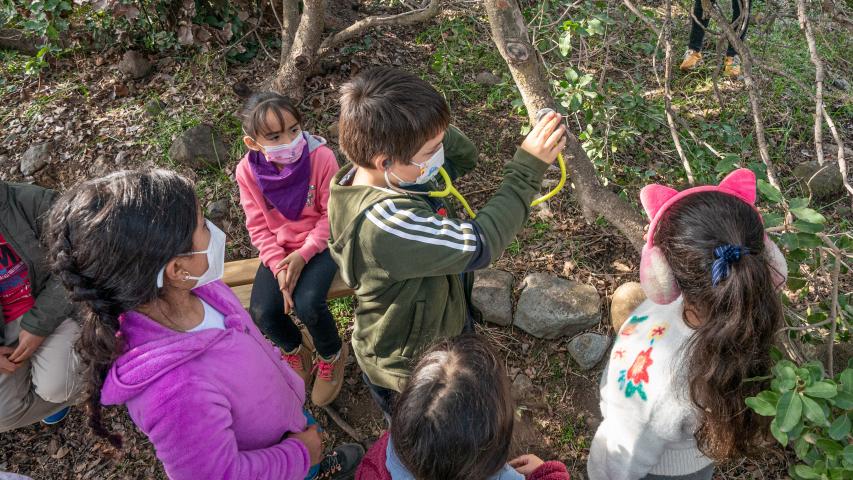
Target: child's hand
526 464
547 139
312 441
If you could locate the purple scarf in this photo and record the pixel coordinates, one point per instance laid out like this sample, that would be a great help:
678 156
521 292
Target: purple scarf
287 189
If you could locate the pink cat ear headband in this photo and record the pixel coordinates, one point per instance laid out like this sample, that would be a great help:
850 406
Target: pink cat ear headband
656 276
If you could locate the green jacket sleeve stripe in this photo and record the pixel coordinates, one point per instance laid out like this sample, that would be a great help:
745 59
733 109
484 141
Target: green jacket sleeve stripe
423 234
408 219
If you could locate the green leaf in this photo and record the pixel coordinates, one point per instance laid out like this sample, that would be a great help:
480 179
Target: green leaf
840 428
761 406
778 434
815 368
808 215
770 192
789 410
848 454
844 400
828 446
806 472
787 378
798 203
847 379
776 354
814 412
802 447
808 227
772 219
822 389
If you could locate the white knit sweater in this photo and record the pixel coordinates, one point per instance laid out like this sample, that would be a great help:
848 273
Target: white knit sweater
649 419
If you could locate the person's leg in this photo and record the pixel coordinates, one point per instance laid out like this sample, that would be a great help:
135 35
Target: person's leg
740 24
19 404
267 308
383 397
697 30
309 298
56 367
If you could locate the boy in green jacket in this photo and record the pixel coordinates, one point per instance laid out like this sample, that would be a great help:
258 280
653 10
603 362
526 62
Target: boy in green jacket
408 258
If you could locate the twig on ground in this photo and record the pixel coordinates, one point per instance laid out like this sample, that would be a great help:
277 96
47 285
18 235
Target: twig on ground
673 130
806 27
352 432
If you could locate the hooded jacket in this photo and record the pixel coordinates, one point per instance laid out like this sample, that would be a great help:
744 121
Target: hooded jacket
22 211
408 259
272 233
216 404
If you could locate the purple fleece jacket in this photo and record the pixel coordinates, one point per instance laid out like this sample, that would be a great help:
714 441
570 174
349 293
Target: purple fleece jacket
215 403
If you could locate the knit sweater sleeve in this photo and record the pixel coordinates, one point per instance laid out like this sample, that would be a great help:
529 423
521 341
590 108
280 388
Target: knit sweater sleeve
372 466
253 203
550 471
192 436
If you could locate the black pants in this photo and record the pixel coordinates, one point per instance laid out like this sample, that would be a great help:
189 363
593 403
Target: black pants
697 32
383 397
309 297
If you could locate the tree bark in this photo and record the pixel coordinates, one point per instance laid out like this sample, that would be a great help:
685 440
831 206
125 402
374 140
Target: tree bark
289 24
509 32
290 77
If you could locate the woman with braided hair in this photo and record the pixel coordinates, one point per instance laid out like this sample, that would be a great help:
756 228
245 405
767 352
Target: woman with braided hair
163 335
38 368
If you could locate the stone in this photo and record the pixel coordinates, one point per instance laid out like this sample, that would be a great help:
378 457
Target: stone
492 295
827 181
199 147
121 157
35 158
487 78
587 349
551 307
841 84
134 65
218 210
625 299
154 107
522 387
333 130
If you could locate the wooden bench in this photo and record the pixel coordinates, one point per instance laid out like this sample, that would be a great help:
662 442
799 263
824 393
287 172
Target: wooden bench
240 274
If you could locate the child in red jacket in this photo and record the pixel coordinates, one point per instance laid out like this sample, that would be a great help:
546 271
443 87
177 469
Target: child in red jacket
453 421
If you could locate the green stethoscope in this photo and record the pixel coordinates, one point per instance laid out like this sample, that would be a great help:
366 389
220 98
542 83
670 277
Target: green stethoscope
449 189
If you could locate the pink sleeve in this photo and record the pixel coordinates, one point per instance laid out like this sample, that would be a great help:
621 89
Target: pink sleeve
253 203
192 435
318 239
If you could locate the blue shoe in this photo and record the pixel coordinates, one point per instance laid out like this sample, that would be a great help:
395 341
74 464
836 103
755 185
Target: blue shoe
56 417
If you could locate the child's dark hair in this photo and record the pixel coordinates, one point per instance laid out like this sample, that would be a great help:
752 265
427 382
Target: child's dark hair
454 420
259 106
386 111
739 316
108 239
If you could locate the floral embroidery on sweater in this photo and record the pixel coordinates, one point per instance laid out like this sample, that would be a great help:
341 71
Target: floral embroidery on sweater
633 322
632 379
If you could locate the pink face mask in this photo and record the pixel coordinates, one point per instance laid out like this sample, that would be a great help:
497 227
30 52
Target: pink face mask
287 153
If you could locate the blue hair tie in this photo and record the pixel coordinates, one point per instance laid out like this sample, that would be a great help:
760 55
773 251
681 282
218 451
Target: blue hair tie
725 256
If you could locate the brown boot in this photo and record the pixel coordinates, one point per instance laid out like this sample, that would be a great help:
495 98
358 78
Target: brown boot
692 59
300 361
329 377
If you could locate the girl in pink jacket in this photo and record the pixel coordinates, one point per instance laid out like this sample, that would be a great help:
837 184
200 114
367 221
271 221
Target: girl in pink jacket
284 189
163 335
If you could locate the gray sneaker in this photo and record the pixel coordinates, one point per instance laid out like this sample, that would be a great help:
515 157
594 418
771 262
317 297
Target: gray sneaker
341 463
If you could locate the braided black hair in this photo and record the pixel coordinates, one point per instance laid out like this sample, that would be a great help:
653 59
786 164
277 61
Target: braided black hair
108 238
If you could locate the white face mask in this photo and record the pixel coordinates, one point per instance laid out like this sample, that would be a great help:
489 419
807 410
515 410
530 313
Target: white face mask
215 258
429 169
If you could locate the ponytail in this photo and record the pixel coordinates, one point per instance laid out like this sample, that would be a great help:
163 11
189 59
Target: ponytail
738 311
107 240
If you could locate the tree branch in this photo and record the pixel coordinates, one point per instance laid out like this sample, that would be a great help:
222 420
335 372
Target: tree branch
359 27
509 32
673 130
752 90
806 27
290 12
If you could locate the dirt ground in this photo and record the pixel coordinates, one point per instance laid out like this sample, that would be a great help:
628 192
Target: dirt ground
93 116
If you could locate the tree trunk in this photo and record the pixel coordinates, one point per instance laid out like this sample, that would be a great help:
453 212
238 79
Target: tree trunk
289 24
509 32
291 75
